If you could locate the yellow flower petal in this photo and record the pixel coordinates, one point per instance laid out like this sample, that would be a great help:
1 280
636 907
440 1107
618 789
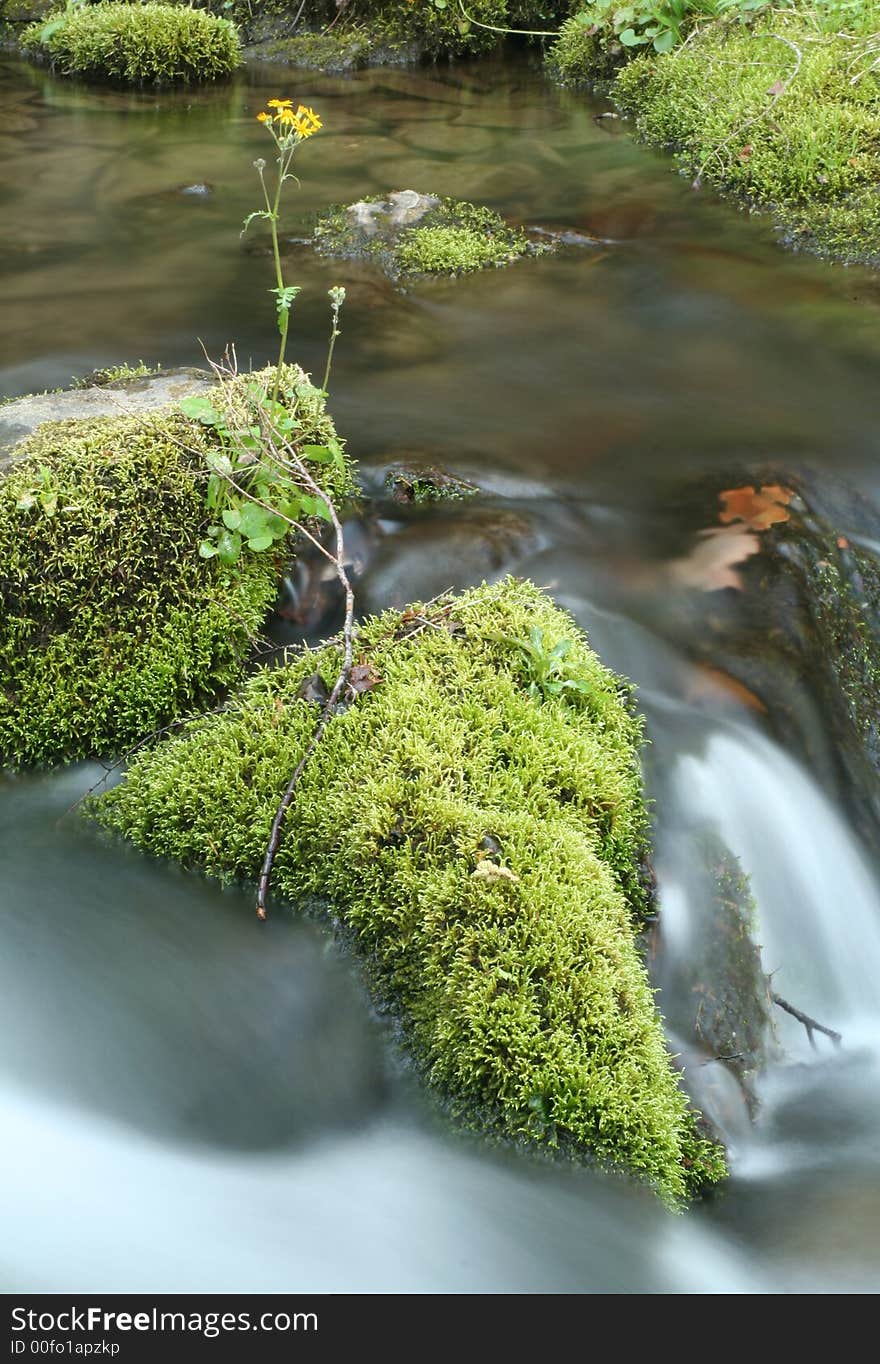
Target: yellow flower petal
264 118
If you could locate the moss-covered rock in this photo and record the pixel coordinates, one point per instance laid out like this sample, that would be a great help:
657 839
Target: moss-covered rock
333 53
721 991
779 112
409 234
424 484
482 837
136 44
111 624
584 54
395 30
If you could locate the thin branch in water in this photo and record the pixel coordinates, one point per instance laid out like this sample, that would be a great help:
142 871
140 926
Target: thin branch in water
330 705
809 1023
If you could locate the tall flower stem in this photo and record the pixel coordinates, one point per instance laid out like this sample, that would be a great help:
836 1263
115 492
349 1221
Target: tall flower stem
287 129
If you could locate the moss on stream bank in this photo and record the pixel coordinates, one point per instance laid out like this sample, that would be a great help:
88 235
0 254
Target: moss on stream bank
111 624
136 44
484 846
386 31
782 110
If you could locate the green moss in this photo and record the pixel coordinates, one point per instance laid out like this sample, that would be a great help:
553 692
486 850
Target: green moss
25 11
116 374
426 484
137 44
404 29
111 625
331 52
583 55
450 251
451 237
794 128
484 849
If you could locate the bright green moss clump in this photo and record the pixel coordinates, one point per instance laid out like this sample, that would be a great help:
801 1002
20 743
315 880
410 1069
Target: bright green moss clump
794 128
451 251
137 44
110 622
433 237
485 848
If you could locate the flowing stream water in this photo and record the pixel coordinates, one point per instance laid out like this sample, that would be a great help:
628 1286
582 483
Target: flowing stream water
190 1101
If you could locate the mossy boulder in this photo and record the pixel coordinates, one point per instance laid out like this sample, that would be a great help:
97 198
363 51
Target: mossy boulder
395 30
136 44
779 112
722 1003
329 52
482 839
410 234
111 624
413 483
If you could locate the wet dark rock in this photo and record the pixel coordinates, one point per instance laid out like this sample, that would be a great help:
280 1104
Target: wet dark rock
419 483
715 991
452 548
804 633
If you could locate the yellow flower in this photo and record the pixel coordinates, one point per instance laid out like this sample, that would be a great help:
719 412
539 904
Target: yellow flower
310 117
264 118
286 116
279 103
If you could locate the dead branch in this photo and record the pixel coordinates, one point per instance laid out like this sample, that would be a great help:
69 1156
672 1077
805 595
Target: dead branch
292 457
809 1023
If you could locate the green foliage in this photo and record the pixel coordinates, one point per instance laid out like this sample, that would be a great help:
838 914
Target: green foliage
778 111
136 43
252 496
484 851
661 25
547 670
396 29
111 624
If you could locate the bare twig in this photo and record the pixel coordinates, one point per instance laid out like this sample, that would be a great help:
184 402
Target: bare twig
340 687
110 768
809 1023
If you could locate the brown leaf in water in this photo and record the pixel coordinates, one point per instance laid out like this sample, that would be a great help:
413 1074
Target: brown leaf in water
712 684
363 677
710 564
758 508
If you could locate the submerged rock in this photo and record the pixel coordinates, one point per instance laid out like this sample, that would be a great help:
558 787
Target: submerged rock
477 823
421 484
716 992
408 234
799 623
112 624
443 549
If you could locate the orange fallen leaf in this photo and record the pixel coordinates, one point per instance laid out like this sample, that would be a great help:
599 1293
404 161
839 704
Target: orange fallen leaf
758 508
711 684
